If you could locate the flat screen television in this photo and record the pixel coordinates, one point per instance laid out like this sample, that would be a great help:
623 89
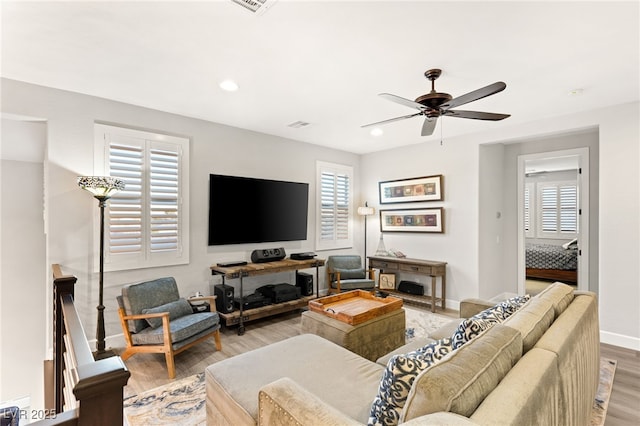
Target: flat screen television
248 210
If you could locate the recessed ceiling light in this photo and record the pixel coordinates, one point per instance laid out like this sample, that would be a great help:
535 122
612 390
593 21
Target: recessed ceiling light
229 85
576 92
376 131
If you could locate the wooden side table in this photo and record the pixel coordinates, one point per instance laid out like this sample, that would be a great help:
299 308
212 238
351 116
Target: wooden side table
430 268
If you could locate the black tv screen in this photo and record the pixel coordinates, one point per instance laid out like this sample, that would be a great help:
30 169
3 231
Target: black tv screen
248 210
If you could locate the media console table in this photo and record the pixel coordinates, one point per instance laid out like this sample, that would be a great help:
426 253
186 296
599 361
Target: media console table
415 266
241 316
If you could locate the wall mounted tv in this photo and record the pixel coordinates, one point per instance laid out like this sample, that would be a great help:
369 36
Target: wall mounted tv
248 210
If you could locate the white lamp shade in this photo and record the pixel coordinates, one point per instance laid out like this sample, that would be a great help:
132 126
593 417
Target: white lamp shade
366 211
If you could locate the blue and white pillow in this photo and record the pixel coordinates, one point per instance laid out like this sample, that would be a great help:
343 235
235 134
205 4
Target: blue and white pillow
475 325
398 378
470 328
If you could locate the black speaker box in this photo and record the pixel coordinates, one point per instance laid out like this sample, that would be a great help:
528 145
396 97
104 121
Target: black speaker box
224 301
267 255
304 281
411 287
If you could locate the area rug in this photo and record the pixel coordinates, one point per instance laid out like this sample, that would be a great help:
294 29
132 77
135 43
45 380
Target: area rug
421 323
183 401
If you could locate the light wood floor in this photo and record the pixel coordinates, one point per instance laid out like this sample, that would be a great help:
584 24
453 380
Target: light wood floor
149 370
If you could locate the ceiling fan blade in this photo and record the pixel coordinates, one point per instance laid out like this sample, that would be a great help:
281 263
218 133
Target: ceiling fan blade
475 115
391 120
428 126
475 95
403 101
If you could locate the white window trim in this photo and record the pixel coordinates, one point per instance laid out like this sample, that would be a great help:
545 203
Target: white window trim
333 244
101 167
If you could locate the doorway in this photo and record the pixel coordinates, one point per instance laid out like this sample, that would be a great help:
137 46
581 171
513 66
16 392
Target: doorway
553 219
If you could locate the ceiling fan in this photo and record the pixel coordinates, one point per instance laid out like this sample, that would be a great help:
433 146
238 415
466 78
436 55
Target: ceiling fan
435 104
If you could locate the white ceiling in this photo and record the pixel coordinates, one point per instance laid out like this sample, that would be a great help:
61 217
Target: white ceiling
324 62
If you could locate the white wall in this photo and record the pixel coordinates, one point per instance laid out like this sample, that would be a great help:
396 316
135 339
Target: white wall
23 302
465 241
458 162
214 148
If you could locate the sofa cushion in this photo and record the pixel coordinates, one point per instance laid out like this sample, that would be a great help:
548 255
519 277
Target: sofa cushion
559 294
532 321
176 309
528 395
462 380
401 371
144 295
180 329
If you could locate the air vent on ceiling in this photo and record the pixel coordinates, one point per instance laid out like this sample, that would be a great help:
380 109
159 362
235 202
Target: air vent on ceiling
256 6
298 124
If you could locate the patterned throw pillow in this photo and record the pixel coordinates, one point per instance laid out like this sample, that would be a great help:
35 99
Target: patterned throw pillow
503 310
176 309
398 378
471 327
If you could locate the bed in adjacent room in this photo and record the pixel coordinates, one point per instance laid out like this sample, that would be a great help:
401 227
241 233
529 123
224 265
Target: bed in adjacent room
552 262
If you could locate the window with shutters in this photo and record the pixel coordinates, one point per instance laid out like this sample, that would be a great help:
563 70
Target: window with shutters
334 226
147 224
557 210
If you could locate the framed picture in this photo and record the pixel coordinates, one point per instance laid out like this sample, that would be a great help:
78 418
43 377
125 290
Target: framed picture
387 282
412 220
426 188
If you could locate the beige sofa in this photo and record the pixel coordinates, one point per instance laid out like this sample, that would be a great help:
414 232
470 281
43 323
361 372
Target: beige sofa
540 366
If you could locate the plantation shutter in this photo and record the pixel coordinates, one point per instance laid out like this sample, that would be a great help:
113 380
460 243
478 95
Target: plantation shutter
125 224
527 209
568 208
334 207
164 200
549 204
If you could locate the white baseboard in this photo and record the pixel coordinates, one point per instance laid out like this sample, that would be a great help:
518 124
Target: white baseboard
620 340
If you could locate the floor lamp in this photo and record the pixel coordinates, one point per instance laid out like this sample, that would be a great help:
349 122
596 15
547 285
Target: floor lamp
102 188
365 211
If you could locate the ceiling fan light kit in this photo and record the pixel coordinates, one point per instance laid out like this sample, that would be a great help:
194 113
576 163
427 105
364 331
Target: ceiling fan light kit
435 104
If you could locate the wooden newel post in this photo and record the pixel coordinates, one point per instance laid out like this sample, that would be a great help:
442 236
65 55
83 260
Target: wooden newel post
100 392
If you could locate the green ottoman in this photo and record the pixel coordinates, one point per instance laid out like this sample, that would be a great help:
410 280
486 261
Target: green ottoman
370 339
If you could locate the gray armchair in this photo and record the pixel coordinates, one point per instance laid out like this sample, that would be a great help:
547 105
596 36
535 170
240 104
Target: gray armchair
345 273
155 319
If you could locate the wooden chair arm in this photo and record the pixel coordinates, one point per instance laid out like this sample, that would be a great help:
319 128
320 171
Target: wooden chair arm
145 316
